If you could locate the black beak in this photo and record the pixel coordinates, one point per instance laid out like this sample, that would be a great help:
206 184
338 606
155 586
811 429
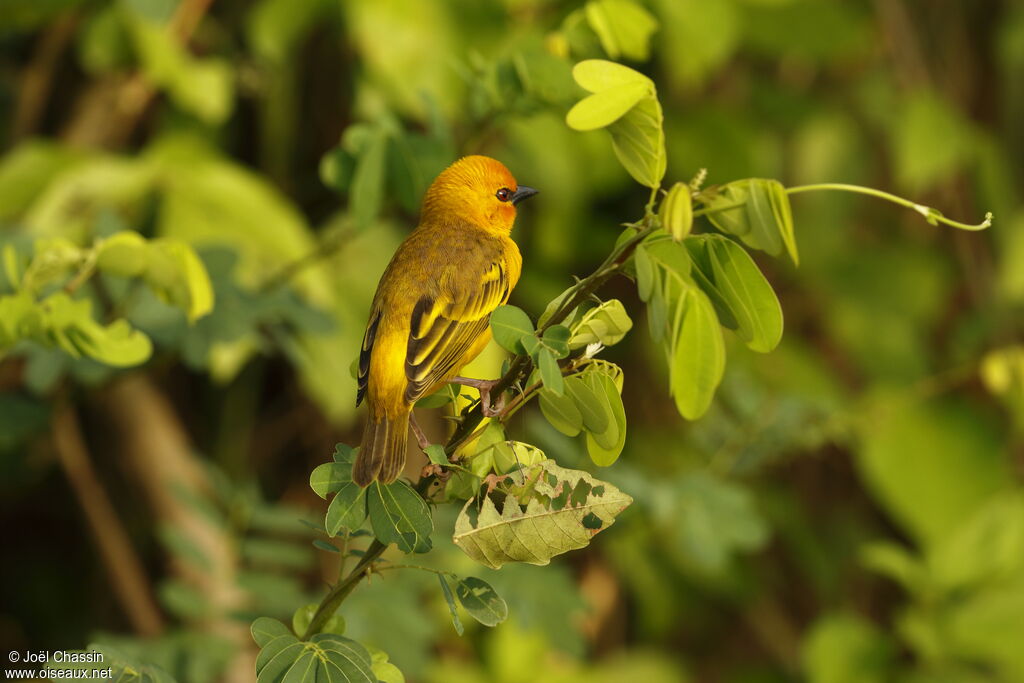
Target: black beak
523 192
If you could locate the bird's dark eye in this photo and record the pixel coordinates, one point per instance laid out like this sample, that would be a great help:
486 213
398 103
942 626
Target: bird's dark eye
504 194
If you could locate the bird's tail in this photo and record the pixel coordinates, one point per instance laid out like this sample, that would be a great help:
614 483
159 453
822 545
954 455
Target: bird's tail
382 453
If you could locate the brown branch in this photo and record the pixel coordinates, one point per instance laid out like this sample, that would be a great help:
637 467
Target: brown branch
127 576
37 77
162 459
110 110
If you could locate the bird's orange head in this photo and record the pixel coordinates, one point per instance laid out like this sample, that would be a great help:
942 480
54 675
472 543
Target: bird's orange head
477 190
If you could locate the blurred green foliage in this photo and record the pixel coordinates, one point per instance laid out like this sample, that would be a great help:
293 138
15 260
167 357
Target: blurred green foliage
848 509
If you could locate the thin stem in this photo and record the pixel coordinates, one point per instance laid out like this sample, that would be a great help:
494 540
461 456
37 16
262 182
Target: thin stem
332 601
439 572
323 250
933 216
127 574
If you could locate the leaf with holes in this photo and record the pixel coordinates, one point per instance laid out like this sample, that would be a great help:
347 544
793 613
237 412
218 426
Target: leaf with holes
480 600
546 510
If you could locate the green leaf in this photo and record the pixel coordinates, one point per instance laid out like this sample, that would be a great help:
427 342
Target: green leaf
480 600
637 136
384 670
605 447
175 273
347 509
336 169
556 510
330 477
644 273
435 452
325 656
713 519
591 405
509 325
123 253
561 412
556 339
639 142
676 212
366 195
606 107
400 516
739 292
845 648
204 87
623 27
931 465
697 360
344 453
598 75
554 305
605 324
550 373
325 546
266 629
303 617
450 599
758 213
510 456
69 323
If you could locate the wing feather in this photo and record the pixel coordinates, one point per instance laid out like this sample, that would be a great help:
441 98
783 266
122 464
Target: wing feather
364 355
443 329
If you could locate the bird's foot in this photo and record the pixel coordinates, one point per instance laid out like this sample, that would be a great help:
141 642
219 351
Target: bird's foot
484 386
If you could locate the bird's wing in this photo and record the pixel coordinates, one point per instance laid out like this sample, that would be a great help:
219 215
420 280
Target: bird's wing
364 353
445 327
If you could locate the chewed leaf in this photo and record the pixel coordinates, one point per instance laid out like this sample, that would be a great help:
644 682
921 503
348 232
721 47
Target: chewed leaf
480 600
555 510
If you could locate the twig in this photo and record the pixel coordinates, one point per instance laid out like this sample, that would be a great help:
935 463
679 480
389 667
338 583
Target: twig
127 576
323 250
38 75
931 215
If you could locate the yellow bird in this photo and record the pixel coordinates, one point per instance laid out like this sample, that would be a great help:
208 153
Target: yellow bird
430 314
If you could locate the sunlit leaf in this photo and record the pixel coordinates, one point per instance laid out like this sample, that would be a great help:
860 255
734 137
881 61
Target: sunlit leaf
606 107
740 293
606 324
560 510
676 211
697 361
623 26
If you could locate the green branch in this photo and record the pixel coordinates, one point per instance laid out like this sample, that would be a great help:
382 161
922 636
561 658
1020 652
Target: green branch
521 364
933 216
